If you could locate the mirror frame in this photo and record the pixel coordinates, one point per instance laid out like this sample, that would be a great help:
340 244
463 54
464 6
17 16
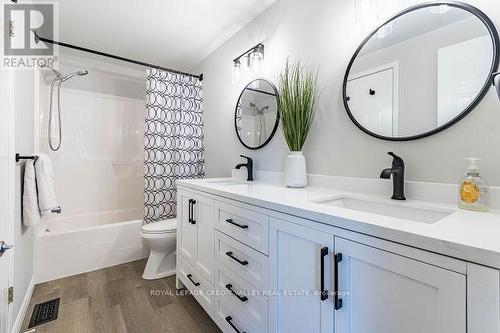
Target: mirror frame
277 114
484 90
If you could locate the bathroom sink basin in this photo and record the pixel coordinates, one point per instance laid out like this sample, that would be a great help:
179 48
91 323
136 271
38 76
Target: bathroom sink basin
227 182
412 213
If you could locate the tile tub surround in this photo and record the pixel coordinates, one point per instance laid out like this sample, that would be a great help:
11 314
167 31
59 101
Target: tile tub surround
465 235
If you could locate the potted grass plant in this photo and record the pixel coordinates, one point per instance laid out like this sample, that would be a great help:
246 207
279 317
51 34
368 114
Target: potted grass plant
298 95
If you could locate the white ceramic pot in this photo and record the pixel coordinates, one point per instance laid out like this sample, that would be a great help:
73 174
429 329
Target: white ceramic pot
295 170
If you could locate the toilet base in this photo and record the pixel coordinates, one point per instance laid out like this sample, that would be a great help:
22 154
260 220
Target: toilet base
159 265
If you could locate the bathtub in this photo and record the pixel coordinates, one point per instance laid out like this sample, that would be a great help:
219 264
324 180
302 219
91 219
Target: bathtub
72 245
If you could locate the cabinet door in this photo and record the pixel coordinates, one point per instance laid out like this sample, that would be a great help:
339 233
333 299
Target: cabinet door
299 259
203 219
383 292
186 231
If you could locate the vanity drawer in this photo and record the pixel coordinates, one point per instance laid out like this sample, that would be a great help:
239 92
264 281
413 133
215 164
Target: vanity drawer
232 318
194 281
249 227
253 303
250 265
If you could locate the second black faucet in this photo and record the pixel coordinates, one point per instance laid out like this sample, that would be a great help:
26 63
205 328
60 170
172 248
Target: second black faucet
249 166
398 176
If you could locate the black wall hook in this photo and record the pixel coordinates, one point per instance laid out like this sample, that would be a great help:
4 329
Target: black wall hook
372 92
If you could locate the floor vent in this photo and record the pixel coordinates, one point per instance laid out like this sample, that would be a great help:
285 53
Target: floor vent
44 312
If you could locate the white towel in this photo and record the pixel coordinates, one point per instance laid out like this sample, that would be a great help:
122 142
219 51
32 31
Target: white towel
31 212
39 198
45 182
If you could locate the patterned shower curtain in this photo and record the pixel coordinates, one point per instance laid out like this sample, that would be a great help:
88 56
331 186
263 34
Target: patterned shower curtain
173 140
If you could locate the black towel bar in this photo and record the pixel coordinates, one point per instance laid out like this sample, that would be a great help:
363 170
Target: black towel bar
19 157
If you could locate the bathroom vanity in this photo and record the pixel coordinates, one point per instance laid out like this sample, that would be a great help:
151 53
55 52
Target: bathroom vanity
260 257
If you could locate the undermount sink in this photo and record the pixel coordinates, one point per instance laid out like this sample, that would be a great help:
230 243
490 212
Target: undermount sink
417 214
226 182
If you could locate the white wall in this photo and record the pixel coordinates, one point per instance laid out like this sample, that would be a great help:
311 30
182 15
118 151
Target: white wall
323 33
24 102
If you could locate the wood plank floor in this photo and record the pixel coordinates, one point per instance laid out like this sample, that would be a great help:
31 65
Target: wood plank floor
115 300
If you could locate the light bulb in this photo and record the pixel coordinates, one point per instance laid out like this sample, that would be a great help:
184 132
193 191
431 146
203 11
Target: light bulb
255 59
237 73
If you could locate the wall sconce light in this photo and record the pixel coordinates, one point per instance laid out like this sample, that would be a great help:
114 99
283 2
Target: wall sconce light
496 82
248 63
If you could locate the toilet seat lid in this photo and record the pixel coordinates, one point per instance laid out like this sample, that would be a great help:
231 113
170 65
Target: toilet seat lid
160 227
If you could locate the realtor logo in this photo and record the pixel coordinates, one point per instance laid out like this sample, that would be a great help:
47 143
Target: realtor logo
21 50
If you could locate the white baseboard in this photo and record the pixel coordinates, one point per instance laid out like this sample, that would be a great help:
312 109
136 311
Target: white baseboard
24 307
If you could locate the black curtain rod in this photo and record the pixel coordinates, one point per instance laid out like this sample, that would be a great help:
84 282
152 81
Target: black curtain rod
43 39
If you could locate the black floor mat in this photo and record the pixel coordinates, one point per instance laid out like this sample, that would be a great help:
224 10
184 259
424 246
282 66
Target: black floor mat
44 312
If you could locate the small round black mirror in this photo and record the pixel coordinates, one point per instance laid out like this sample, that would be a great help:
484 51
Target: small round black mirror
256 115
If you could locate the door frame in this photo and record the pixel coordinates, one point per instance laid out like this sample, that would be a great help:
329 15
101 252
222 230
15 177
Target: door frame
395 100
7 178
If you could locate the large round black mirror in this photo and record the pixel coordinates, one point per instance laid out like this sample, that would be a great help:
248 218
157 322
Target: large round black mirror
421 71
256 116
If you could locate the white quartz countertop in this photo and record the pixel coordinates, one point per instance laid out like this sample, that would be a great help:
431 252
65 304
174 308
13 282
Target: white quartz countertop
466 235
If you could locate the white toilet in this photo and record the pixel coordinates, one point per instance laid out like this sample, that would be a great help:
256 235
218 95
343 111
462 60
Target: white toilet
160 238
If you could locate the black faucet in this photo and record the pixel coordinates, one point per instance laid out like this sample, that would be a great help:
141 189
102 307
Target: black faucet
398 176
249 166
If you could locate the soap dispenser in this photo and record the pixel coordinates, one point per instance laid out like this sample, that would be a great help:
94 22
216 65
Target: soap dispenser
473 192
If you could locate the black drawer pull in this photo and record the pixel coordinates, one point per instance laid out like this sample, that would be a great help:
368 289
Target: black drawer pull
241 298
229 320
196 284
236 224
323 254
230 255
191 211
338 300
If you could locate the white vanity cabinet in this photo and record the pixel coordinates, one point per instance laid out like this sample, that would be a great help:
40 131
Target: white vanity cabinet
300 267
257 270
384 292
195 229
369 289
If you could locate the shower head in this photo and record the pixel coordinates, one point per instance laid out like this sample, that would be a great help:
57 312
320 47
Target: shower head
59 76
78 73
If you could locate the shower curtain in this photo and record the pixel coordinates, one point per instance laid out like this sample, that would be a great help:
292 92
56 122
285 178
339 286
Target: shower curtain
173 140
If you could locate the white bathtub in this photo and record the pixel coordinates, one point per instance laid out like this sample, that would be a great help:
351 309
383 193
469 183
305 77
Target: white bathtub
72 245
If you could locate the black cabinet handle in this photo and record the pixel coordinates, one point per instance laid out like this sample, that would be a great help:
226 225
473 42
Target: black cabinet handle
229 320
196 284
241 298
236 224
338 300
230 255
193 221
323 254
191 211
372 92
